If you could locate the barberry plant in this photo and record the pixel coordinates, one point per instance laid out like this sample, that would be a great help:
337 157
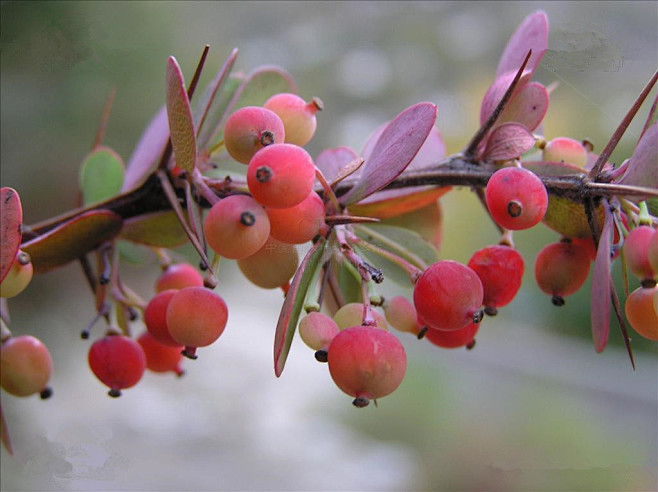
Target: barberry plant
363 217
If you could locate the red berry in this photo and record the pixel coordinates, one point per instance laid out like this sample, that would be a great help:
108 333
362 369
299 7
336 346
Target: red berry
281 175
236 227
178 276
565 149
500 269
117 361
297 115
641 311
155 317
448 296
25 366
196 317
516 198
366 363
159 357
636 252
561 269
653 251
272 266
454 338
297 224
249 129
317 330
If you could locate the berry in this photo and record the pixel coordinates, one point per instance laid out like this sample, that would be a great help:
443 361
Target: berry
401 314
565 149
155 317
236 227
636 252
178 276
281 175
351 314
500 269
272 266
366 363
297 224
159 357
561 269
641 311
297 115
18 277
117 361
453 339
653 251
25 366
249 129
448 296
516 198
317 330
196 317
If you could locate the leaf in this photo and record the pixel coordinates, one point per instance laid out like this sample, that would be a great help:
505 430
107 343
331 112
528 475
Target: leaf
532 34
528 106
426 221
158 229
392 203
11 220
179 114
547 168
332 161
642 169
508 141
601 281
497 90
293 303
4 433
101 175
148 151
72 239
395 148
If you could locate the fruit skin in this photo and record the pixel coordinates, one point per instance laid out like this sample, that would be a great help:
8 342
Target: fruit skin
281 175
117 361
516 198
453 339
272 266
244 132
317 330
500 269
18 277
178 276
159 357
236 227
640 309
561 269
366 363
565 149
25 366
401 314
351 314
653 251
155 317
448 295
298 116
298 224
636 252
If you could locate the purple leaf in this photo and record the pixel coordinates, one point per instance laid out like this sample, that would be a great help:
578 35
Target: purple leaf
642 169
331 161
508 141
149 149
497 90
601 280
527 106
179 114
11 219
532 34
395 148
430 153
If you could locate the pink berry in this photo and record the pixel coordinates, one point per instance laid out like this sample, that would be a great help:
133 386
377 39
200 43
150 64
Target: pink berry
25 366
636 252
297 115
155 317
18 277
317 330
565 149
453 339
298 224
249 129
401 314
561 269
351 314
178 276
272 266
641 311
500 269
117 361
159 357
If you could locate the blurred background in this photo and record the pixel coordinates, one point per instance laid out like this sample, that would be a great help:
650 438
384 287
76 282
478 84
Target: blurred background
532 407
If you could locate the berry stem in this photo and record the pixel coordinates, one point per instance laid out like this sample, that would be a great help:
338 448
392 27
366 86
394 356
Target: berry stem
327 189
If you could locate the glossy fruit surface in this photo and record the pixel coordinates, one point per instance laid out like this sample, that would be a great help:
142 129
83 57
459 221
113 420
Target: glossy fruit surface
653 251
25 365
155 317
272 266
561 269
249 129
565 149
298 224
159 357
454 338
117 361
636 252
500 269
178 276
351 314
641 311
298 116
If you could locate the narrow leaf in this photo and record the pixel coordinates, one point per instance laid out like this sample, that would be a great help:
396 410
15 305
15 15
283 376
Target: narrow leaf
497 91
642 169
179 114
72 239
601 281
159 229
395 148
392 203
508 141
11 220
532 34
4 433
101 175
293 303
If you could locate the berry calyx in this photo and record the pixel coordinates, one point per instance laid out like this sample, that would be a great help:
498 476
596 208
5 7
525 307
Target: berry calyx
117 361
25 366
249 129
298 116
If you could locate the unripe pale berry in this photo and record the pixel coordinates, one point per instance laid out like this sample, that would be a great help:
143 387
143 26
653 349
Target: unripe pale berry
453 339
155 317
249 129
297 115
236 227
117 361
640 308
18 277
178 276
401 314
281 175
317 330
297 224
160 357
366 363
636 252
500 269
272 266
565 149
351 314
25 366
516 198
561 269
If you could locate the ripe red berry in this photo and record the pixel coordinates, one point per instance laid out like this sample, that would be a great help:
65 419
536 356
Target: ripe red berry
272 266
155 317
565 149
196 317
561 269
281 175
641 311
18 277
500 269
401 314
297 115
636 252
297 224
317 330
159 357
653 251
366 363
516 198
236 227
117 361
25 366
178 276
249 129
448 296
455 338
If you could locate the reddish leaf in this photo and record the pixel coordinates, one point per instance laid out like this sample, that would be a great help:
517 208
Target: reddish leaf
527 106
145 158
508 141
11 219
642 169
391 203
292 305
158 229
395 148
532 34
332 161
497 90
179 114
72 239
430 153
601 281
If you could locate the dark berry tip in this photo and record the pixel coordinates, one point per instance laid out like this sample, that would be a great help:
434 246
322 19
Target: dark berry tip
247 219
46 393
321 355
190 353
422 333
263 174
648 283
490 311
266 138
361 402
514 208
557 301
114 393
470 345
477 316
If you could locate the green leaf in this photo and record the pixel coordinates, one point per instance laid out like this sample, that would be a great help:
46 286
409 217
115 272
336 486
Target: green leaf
293 303
211 132
179 114
11 219
72 239
101 175
349 281
158 229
